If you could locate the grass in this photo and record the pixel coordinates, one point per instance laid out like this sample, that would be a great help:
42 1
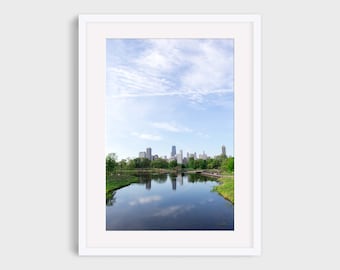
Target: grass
226 187
117 181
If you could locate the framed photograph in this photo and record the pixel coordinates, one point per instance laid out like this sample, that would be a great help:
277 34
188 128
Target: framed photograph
169 135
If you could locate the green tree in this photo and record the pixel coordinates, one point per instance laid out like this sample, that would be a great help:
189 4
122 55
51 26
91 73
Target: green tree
216 163
111 164
173 164
191 163
159 163
228 164
139 163
200 164
122 164
131 164
144 163
209 163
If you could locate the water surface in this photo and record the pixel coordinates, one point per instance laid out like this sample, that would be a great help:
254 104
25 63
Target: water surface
169 202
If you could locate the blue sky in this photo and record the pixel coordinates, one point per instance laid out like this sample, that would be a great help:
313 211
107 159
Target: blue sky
164 92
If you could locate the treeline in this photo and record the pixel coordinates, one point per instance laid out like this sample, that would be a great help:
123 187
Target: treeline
222 163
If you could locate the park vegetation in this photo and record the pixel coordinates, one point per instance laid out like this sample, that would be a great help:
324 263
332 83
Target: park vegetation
221 163
123 173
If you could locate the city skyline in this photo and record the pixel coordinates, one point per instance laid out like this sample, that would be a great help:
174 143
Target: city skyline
164 92
149 154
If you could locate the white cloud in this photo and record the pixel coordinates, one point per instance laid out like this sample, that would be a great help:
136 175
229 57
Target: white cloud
146 136
168 211
162 55
173 210
125 81
145 200
189 68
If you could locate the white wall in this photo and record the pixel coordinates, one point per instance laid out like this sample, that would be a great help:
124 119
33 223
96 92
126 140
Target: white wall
38 146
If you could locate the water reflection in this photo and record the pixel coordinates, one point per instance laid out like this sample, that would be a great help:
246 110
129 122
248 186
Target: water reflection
179 178
173 184
162 178
110 200
169 202
145 200
146 179
148 184
192 178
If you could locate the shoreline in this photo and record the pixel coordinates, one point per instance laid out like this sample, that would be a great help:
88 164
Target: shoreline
207 172
225 187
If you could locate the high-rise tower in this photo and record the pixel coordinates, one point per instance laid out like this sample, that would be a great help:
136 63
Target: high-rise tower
180 157
148 153
223 151
173 151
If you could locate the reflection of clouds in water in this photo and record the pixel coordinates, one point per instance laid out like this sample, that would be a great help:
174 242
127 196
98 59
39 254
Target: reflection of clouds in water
144 200
174 210
210 200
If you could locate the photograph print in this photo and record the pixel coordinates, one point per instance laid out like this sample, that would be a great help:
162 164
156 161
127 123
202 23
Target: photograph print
169 134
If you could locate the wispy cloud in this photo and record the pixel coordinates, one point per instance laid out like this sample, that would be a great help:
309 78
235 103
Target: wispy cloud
163 92
192 69
172 127
174 210
145 200
197 95
146 136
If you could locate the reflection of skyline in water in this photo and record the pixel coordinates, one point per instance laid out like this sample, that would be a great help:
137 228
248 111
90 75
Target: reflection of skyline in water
173 183
169 202
148 184
179 178
146 179
161 178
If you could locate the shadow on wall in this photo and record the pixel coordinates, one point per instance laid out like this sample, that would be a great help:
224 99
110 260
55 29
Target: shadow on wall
73 87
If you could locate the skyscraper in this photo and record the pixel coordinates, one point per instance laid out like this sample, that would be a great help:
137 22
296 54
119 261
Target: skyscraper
180 157
203 156
173 151
148 153
223 151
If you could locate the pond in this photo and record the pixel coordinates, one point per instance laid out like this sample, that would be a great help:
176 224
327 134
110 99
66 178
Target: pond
169 202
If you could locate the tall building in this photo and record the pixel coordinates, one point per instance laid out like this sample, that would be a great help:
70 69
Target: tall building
223 151
148 153
185 161
142 154
180 157
173 151
203 156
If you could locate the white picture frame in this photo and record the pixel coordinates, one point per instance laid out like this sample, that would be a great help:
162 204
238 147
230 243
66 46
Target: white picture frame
245 240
